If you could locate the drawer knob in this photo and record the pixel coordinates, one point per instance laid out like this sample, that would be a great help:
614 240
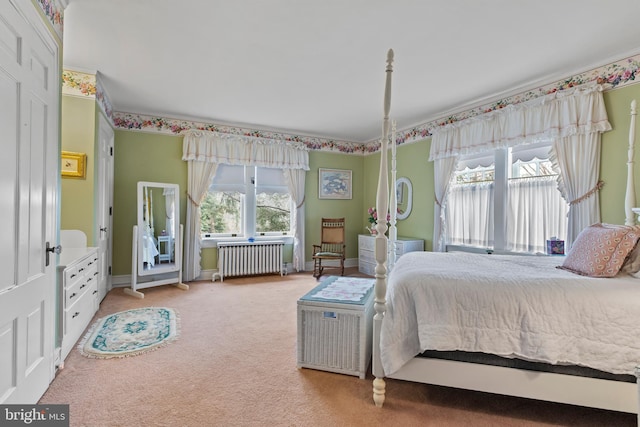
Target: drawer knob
73 275
76 314
72 295
83 285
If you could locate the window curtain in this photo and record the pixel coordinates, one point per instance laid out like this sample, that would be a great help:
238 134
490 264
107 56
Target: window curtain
169 206
295 179
213 148
473 224
577 160
443 170
199 176
529 199
567 116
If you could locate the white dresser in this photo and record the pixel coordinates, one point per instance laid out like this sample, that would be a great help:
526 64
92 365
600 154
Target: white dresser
366 247
77 294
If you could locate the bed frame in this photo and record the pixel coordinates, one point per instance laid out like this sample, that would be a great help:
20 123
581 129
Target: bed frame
575 390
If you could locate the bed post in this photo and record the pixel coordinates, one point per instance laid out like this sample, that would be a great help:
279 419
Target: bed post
393 203
630 196
382 206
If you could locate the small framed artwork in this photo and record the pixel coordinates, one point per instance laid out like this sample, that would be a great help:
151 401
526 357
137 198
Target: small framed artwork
73 165
334 184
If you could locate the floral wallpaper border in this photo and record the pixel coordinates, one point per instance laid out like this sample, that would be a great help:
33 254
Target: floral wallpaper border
76 83
617 74
614 75
54 13
140 122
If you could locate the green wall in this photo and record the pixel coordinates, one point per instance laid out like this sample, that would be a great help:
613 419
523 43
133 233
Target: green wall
411 163
351 210
78 119
613 169
141 156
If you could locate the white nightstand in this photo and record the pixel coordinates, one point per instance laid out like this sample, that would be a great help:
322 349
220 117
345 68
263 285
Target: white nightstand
165 249
366 247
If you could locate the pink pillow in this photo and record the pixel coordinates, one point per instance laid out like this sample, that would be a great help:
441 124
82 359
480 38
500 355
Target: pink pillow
600 250
632 264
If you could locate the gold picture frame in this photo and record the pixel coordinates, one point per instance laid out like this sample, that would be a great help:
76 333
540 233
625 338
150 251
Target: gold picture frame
73 165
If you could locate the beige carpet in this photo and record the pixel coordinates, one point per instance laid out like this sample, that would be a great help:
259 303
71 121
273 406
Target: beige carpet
234 364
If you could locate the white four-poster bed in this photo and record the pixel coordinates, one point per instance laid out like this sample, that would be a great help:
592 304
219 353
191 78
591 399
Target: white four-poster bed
616 390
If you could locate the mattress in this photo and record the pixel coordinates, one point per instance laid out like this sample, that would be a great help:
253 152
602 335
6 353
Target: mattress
510 306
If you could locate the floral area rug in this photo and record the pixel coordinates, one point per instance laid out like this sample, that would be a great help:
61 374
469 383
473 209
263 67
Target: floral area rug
129 333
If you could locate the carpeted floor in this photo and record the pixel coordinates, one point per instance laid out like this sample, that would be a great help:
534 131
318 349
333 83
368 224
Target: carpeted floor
234 364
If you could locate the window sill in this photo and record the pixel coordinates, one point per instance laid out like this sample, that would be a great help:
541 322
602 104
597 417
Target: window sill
478 250
212 242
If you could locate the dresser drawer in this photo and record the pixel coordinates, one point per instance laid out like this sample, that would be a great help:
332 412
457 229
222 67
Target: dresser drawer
72 275
78 295
366 242
365 255
405 246
368 268
79 314
78 289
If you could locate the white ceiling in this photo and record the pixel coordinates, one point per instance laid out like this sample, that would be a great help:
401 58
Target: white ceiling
316 68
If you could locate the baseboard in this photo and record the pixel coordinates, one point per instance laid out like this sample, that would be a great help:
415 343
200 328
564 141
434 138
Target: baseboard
124 281
348 262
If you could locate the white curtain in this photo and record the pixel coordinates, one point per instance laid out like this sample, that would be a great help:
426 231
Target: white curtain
296 181
216 147
442 172
213 148
199 176
472 222
169 206
575 111
577 159
568 117
533 203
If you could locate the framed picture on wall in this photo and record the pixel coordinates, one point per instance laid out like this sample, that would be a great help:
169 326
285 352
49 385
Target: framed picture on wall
334 184
73 165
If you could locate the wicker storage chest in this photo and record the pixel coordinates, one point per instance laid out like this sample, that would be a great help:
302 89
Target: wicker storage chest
335 321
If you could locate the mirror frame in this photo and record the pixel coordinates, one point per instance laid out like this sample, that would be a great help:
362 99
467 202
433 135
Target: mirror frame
158 268
409 197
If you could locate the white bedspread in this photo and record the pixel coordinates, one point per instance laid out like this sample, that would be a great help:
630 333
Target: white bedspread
513 306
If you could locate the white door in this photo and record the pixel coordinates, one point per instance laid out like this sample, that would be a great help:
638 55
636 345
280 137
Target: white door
29 94
105 204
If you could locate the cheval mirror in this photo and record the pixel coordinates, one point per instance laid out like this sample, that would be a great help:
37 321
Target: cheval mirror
156 253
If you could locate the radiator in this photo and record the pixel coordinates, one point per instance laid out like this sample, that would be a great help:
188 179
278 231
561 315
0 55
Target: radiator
249 258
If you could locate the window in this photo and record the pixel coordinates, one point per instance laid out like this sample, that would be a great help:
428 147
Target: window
273 202
246 201
506 199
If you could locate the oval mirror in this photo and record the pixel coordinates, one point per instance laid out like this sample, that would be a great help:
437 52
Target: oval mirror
158 228
404 196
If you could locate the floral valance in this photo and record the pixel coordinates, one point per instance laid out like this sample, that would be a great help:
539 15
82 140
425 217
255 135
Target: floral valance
214 147
575 111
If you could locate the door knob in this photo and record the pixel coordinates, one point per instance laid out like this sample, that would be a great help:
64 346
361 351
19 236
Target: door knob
49 249
103 229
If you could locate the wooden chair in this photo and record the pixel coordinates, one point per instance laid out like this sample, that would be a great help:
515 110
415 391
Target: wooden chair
331 248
